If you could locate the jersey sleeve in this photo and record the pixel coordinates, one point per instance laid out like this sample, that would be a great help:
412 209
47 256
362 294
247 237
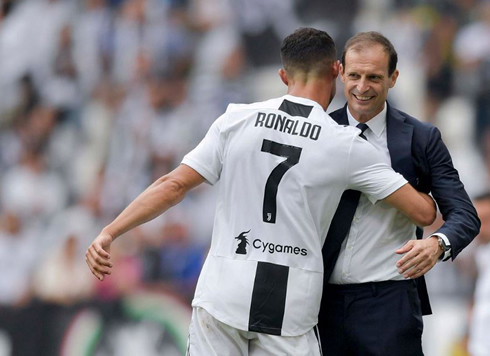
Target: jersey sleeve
367 172
207 158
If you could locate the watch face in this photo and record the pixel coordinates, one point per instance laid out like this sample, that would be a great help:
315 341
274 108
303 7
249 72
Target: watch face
442 244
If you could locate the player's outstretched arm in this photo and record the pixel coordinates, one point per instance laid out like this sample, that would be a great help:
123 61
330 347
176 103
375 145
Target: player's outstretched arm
419 207
164 193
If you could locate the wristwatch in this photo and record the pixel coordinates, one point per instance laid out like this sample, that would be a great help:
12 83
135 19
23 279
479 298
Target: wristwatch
446 249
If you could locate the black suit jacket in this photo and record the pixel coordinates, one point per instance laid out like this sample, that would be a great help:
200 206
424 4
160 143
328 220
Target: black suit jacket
419 154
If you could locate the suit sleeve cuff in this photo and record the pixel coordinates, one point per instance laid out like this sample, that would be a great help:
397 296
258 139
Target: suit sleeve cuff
447 254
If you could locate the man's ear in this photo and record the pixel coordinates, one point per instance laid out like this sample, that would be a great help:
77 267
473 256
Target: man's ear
341 70
394 77
336 69
284 76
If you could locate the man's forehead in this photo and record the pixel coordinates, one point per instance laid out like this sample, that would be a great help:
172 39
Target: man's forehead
372 56
366 46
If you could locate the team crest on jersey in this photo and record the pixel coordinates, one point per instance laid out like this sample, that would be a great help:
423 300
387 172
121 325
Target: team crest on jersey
242 243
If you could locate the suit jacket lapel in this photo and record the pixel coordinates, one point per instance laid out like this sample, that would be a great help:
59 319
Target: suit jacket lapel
341 116
399 136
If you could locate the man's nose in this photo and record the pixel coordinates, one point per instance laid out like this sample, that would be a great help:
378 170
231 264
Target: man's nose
362 86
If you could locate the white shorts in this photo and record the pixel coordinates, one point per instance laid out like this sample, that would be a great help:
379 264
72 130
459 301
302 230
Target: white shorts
210 337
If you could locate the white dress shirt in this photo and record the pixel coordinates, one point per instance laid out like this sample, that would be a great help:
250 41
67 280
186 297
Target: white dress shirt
368 252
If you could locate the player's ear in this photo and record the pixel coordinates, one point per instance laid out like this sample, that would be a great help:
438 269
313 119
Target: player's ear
284 76
336 69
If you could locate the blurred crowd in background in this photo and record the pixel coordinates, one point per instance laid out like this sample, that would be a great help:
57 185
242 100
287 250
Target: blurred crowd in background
98 98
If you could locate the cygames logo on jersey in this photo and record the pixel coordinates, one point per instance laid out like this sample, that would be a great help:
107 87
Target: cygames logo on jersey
243 242
267 247
273 248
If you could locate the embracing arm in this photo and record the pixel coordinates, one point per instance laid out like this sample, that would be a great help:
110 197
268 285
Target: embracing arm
461 220
370 171
417 206
164 193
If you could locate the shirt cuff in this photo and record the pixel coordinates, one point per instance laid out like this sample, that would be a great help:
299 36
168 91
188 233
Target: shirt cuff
447 253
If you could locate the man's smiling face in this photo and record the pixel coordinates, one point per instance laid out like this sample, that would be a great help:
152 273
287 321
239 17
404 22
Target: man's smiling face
367 81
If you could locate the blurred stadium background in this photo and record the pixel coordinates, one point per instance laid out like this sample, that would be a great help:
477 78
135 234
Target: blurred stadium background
100 97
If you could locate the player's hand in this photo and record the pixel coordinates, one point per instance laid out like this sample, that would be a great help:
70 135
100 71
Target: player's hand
98 256
420 256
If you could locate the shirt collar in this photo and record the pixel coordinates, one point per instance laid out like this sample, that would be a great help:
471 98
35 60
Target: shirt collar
377 124
304 101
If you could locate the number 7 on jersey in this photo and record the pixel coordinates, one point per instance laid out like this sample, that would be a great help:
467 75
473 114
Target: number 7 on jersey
292 154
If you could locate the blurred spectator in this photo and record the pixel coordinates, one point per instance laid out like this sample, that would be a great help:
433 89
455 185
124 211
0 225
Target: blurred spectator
129 278
152 127
62 277
181 259
172 259
43 36
33 191
92 44
335 16
479 343
172 130
438 57
472 47
219 65
148 26
18 258
263 24
28 98
456 115
129 149
62 89
96 122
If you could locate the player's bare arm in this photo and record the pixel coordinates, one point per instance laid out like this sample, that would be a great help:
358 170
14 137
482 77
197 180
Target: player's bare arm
419 207
164 193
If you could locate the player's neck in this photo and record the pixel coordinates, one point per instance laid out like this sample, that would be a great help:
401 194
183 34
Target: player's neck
316 90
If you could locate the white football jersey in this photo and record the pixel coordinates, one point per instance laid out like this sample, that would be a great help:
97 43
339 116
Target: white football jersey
283 165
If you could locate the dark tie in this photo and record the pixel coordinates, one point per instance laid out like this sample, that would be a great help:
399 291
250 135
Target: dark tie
341 223
362 127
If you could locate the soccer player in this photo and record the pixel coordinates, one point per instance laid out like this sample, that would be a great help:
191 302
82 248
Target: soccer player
283 165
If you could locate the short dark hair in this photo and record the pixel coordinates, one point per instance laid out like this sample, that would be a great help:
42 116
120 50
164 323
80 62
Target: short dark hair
365 39
308 50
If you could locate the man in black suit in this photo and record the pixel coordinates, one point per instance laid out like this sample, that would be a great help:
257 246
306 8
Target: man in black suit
374 293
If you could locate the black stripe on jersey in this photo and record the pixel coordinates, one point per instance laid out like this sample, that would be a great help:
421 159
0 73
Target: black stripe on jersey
295 109
268 298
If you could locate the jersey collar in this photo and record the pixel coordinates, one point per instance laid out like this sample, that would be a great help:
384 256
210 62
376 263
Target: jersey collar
304 101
